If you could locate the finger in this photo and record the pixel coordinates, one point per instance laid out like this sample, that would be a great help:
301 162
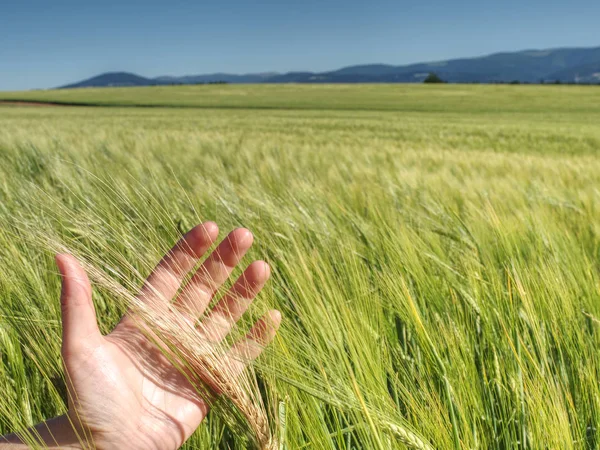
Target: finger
248 349
196 295
232 306
79 326
165 279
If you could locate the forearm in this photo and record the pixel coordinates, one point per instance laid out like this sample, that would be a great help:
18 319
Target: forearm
53 434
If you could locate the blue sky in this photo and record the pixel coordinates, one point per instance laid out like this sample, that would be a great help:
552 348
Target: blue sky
46 44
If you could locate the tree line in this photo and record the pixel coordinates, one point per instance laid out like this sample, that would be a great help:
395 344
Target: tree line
434 78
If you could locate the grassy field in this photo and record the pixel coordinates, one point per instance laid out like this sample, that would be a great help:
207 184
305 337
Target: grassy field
435 249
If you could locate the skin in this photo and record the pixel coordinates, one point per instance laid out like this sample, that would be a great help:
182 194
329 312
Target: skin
123 392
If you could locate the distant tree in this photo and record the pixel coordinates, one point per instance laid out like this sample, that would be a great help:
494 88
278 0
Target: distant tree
433 78
557 82
515 82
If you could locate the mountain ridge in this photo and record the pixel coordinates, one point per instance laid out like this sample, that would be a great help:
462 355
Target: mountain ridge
566 65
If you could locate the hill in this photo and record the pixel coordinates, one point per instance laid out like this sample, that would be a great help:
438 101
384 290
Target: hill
113 79
567 65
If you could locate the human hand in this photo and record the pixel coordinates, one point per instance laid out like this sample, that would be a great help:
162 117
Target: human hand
123 391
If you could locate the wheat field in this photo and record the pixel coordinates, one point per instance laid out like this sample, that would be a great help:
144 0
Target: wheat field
435 249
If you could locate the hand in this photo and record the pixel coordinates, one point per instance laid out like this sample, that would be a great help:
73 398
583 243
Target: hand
123 391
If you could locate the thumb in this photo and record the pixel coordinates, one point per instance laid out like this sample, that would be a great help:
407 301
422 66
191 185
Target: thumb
78 314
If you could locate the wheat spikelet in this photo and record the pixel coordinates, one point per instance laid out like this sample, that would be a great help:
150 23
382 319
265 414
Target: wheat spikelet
407 437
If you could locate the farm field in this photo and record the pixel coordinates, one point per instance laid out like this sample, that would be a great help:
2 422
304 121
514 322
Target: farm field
435 250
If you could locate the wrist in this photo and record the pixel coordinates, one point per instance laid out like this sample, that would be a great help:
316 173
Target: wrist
52 434
61 432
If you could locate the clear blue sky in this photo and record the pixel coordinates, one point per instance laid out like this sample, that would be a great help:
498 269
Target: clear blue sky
48 43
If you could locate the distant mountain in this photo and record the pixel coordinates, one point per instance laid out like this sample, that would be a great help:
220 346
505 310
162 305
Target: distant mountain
112 79
585 73
567 65
528 66
123 79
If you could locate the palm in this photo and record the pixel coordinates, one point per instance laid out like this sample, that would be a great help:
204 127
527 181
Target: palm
141 392
123 392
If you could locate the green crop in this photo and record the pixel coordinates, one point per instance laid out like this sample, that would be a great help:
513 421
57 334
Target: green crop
435 249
